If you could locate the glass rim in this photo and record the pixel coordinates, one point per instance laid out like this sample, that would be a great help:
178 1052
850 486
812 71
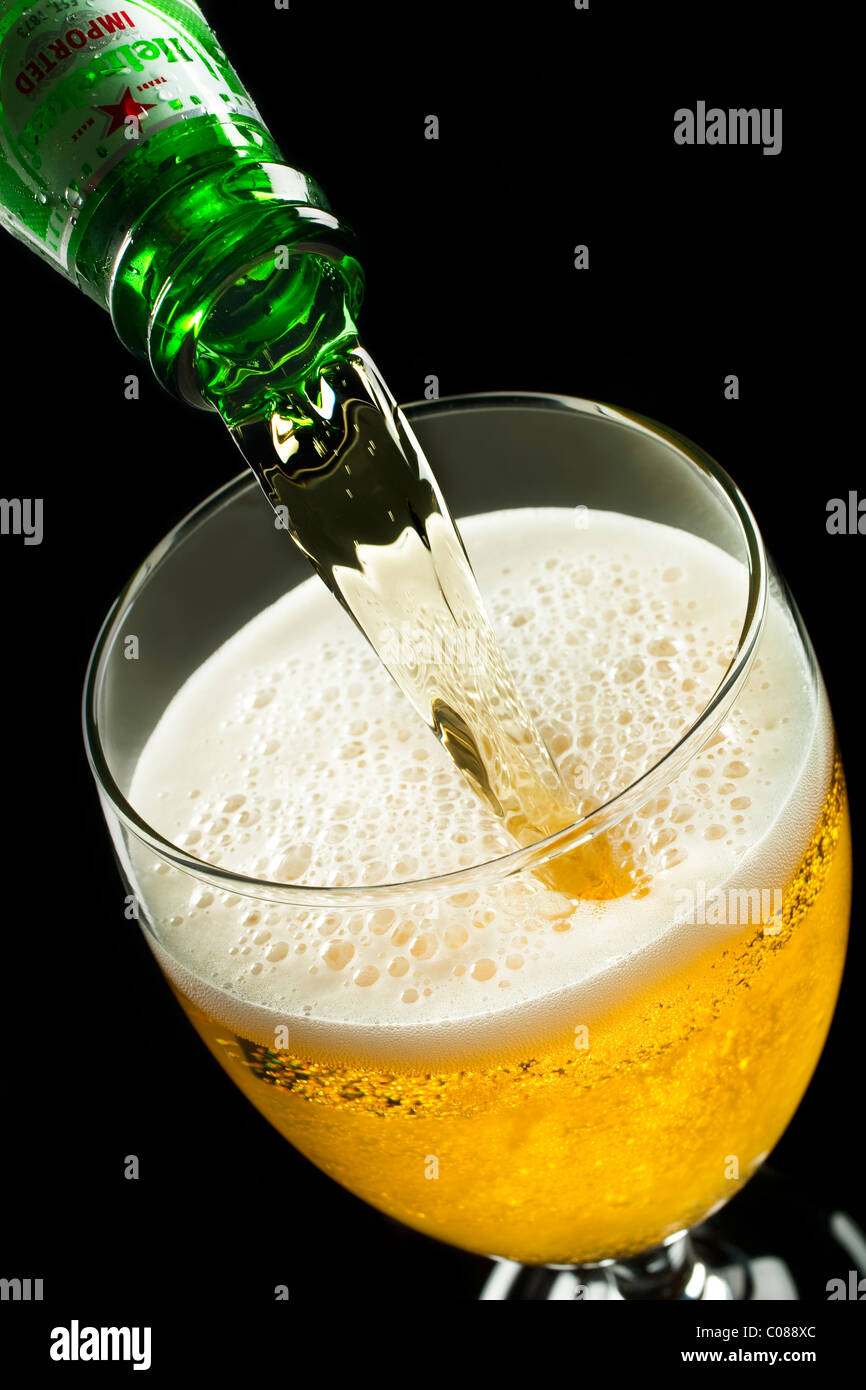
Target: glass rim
522 858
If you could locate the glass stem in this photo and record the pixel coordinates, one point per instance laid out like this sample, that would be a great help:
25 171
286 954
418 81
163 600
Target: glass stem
670 1271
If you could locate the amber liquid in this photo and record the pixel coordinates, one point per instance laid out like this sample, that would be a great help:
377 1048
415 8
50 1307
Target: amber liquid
567 1154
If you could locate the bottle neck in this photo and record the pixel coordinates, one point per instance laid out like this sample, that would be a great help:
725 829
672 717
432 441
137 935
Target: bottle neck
255 304
133 159
231 281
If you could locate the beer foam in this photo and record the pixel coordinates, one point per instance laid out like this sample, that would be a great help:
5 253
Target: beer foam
289 755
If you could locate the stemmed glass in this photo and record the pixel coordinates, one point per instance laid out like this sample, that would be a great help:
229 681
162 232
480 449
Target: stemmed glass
580 1170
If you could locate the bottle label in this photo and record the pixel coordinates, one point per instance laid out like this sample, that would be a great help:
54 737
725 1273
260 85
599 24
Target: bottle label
80 87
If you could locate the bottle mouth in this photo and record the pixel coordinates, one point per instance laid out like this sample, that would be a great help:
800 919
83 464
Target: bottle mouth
245 330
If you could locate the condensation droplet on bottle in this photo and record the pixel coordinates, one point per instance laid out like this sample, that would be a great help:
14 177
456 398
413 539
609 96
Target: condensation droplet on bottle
73 197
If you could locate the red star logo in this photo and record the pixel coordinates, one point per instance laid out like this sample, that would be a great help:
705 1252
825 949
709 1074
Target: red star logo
127 106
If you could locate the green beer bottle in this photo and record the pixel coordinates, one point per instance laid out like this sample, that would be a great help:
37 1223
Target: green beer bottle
134 161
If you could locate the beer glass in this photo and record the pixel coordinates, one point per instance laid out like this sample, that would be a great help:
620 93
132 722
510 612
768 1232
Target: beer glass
584 1136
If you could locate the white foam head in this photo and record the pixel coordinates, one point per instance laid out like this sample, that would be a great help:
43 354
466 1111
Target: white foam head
289 755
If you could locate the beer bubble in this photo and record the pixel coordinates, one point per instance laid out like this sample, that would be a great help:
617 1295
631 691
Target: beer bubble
294 864
338 954
483 970
423 947
736 769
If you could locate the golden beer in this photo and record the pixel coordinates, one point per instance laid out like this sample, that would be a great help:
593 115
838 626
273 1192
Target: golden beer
570 1154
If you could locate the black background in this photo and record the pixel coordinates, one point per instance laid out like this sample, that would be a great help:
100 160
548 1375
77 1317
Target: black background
556 129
